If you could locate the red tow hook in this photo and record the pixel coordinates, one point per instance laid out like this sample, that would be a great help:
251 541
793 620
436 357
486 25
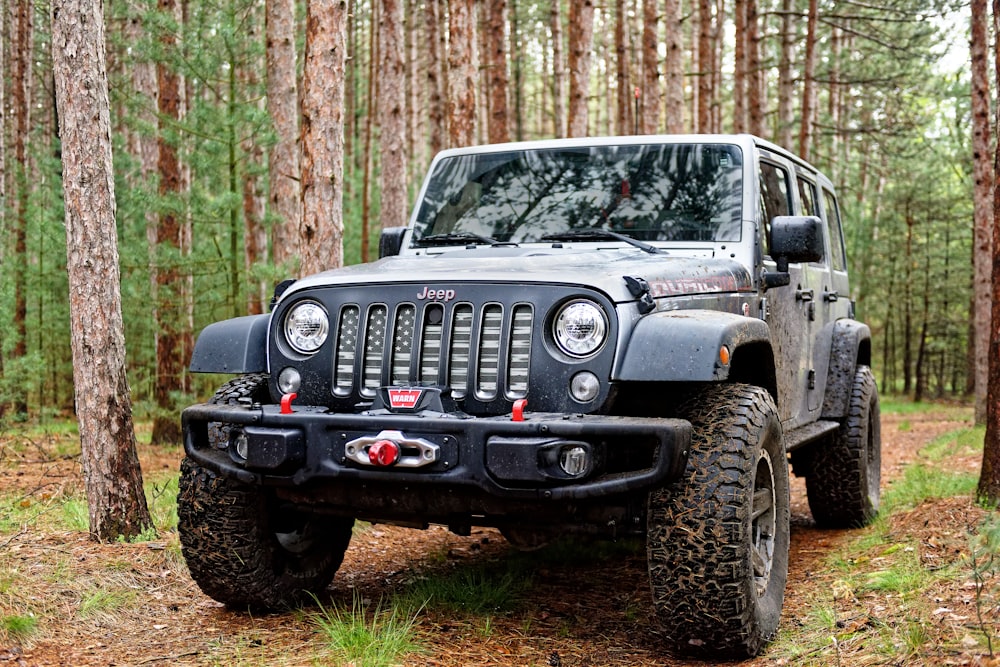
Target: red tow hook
383 453
286 403
517 413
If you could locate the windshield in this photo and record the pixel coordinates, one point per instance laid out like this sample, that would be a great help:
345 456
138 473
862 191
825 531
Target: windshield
652 192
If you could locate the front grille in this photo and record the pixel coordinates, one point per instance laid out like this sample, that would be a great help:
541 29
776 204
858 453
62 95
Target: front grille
483 351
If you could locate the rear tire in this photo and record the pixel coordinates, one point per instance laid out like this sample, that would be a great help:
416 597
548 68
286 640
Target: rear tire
717 539
243 547
844 474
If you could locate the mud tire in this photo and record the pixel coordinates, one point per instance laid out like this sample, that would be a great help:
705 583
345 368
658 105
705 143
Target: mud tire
845 473
716 570
242 547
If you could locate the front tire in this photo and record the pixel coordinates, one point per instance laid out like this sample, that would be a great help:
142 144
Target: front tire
243 547
844 474
717 539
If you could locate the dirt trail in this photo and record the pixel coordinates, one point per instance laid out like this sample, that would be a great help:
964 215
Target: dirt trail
579 616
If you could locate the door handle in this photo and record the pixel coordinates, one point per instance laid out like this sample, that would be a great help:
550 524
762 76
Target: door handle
831 296
804 295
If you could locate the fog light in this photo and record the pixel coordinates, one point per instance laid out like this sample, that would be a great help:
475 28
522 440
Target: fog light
584 387
241 444
289 381
574 460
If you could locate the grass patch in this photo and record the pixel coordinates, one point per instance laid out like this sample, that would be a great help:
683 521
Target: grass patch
19 628
378 639
105 602
477 591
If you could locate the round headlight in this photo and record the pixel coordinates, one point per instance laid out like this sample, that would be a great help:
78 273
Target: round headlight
580 328
306 327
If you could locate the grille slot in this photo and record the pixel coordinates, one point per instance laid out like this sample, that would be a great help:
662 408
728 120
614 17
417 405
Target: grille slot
478 350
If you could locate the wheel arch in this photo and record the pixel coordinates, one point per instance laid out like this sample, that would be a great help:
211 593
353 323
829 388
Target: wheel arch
684 346
851 346
237 345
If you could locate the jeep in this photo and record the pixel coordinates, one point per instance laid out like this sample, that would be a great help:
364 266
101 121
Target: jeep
617 337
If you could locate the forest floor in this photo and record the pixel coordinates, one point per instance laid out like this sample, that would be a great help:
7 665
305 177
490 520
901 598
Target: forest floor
65 600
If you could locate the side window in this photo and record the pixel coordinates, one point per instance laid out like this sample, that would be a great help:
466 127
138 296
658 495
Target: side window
807 195
774 197
839 260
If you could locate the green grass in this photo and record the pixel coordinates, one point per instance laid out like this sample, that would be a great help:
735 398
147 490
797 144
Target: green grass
479 591
19 628
105 602
375 638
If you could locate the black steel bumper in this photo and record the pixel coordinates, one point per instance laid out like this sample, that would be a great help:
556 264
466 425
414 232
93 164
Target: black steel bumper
495 456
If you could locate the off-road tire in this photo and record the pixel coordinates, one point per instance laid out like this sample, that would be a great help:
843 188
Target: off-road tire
242 547
844 474
716 569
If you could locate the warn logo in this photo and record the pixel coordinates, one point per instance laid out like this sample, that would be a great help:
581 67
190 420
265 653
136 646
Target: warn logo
402 399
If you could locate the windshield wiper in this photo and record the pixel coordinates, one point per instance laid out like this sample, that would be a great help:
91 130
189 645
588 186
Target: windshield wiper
454 238
594 234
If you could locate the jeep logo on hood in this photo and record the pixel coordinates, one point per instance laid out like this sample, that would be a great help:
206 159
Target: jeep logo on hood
429 294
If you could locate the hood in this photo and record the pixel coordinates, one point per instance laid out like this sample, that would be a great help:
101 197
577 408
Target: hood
600 269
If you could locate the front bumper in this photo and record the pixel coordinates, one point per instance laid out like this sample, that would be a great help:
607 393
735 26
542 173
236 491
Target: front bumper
496 456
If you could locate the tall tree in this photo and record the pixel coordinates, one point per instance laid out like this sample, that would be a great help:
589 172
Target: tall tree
740 67
283 107
755 73
809 84
703 116
581 36
983 181
623 98
989 477
674 103
392 114
650 68
461 73
321 231
558 69
496 73
22 37
115 498
435 75
786 77
170 312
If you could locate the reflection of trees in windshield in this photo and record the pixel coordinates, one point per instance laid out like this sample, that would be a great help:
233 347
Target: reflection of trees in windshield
683 192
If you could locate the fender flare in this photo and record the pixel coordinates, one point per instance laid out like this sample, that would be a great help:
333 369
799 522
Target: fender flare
850 346
238 345
683 345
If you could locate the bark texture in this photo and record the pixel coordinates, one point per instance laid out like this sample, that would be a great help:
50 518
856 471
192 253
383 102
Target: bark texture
674 104
581 37
650 68
558 70
497 78
461 73
321 232
392 115
115 499
283 107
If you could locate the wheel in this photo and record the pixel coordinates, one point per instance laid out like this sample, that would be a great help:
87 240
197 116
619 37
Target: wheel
241 545
844 474
717 539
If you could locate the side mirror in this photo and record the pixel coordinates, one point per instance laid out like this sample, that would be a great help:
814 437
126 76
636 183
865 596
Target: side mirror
391 241
796 238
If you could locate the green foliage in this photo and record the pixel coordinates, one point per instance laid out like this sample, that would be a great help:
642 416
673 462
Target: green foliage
479 591
374 638
19 628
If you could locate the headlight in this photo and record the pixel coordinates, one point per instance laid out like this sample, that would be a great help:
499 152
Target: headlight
580 328
306 327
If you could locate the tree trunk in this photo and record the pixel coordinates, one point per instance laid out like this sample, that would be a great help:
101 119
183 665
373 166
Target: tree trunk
558 71
392 116
740 67
115 499
989 478
461 73
704 109
496 72
983 183
786 81
283 108
517 72
674 104
623 106
755 74
170 311
321 232
650 68
435 76
22 37
366 188
809 84
581 36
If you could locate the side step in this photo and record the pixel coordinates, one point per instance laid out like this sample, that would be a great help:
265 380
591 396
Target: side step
809 433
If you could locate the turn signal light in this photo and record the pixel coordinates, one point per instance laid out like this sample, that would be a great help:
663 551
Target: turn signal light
383 453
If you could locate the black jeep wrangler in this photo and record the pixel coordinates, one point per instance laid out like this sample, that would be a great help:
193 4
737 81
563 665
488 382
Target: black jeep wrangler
629 336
